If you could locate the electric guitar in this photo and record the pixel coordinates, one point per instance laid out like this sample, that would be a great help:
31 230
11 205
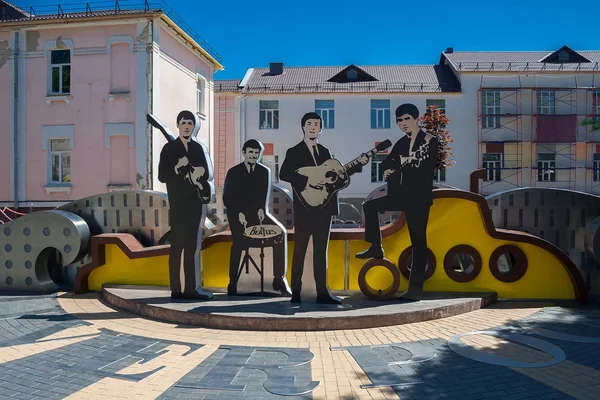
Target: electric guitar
205 188
329 178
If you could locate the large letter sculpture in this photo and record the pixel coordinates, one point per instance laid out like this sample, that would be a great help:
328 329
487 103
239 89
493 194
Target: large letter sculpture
186 168
246 196
315 184
408 171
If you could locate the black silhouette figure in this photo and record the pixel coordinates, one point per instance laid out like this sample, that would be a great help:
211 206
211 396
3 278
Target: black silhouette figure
187 170
298 169
246 196
408 170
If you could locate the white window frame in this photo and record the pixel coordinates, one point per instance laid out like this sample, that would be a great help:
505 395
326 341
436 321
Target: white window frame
380 115
200 95
269 120
376 161
596 102
596 167
493 168
546 102
327 114
546 168
60 74
59 153
439 175
437 102
490 121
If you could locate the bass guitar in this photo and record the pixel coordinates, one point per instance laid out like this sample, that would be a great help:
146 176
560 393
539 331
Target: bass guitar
329 178
197 176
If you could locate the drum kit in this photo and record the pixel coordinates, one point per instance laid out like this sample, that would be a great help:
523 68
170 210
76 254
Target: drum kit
259 236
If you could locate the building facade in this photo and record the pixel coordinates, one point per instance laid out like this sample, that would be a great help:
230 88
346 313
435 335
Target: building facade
530 109
75 90
357 104
519 115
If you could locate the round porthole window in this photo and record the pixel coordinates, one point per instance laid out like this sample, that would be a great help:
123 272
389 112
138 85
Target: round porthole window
405 263
383 286
462 263
508 263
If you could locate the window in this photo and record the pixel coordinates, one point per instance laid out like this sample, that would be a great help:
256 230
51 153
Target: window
60 160
352 75
380 114
200 84
546 167
545 99
60 68
269 114
376 170
493 166
325 108
441 103
596 167
490 104
439 175
597 104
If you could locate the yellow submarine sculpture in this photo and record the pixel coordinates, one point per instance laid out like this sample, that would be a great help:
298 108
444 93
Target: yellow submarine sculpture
460 222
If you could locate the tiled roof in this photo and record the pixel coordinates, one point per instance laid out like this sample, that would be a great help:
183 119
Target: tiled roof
506 61
391 78
227 85
74 15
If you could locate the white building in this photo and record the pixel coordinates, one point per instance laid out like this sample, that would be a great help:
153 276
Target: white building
357 105
516 114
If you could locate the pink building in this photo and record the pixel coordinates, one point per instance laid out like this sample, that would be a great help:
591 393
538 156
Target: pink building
227 124
75 89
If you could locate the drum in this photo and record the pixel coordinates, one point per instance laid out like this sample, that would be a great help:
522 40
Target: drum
263 235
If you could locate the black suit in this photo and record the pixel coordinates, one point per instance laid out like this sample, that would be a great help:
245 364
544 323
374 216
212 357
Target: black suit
185 209
409 189
307 222
246 192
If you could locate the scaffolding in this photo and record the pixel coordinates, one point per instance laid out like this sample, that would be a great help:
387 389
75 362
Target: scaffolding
593 144
534 124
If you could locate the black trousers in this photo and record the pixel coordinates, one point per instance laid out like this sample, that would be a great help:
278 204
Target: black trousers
239 245
186 238
316 224
416 218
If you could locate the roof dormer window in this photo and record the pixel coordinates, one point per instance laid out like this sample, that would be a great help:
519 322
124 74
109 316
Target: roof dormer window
352 75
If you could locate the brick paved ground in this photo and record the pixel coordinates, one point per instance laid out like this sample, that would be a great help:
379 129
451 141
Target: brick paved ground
66 346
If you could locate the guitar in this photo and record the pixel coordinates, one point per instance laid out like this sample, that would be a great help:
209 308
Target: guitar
421 154
329 178
205 188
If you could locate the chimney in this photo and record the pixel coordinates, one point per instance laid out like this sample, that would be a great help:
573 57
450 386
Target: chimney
449 50
276 69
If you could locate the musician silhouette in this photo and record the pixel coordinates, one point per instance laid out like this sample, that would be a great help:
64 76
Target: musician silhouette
408 170
183 164
246 197
315 222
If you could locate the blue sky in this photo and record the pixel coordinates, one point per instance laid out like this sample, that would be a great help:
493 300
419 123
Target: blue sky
331 32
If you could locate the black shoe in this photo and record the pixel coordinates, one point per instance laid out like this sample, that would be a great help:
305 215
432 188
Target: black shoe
198 294
371 252
280 285
231 290
410 296
177 295
328 300
296 299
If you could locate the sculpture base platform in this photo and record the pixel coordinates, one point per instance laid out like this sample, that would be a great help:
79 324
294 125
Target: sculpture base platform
278 314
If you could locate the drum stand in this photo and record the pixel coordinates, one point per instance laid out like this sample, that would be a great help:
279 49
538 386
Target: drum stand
246 263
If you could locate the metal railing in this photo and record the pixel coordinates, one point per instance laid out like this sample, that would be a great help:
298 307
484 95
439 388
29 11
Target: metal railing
115 7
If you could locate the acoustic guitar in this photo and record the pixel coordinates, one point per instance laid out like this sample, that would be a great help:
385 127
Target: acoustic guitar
205 189
329 178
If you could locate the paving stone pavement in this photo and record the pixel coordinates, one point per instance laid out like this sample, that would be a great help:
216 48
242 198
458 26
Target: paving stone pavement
68 346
